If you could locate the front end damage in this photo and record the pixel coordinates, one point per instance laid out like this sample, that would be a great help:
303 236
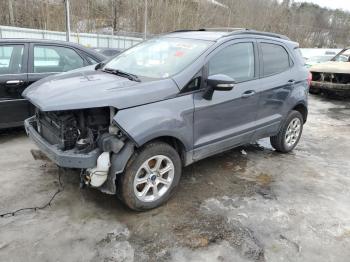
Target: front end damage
331 77
337 82
85 139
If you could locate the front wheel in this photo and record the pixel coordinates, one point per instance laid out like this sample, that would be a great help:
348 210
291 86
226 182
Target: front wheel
289 134
150 177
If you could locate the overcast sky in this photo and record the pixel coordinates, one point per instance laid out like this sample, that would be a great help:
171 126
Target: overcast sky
334 4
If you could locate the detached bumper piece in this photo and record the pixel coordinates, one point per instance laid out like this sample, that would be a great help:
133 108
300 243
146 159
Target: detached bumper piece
68 158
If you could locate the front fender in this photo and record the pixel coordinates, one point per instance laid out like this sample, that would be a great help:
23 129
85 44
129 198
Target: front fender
171 117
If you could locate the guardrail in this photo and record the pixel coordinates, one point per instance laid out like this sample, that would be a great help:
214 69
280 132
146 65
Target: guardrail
122 41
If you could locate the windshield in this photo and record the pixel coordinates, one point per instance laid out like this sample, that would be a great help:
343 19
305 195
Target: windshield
159 57
343 56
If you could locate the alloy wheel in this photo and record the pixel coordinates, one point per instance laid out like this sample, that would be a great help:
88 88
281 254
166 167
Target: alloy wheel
293 132
154 178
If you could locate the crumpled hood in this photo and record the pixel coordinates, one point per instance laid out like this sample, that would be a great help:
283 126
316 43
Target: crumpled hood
88 88
332 67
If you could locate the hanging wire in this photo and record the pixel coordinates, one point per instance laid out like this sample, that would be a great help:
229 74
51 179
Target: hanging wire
58 191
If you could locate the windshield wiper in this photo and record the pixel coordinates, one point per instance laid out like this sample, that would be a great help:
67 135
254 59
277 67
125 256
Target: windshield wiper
122 74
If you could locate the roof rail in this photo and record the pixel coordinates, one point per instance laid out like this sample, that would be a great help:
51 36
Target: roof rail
236 30
186 30
228 29
254 32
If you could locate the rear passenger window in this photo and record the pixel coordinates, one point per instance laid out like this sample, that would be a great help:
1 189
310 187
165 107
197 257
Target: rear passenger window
275 59
11 59
55 59
236 61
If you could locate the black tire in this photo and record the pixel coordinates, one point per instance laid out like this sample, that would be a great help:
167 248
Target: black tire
278 141
126 181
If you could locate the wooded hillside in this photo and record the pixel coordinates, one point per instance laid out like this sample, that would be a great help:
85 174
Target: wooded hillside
309 24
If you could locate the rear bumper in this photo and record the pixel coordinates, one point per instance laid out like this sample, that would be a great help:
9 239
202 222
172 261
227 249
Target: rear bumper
68 158
331 86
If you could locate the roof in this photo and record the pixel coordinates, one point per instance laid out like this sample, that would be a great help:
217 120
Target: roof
48 41
107 48
34 40
200 35
214 34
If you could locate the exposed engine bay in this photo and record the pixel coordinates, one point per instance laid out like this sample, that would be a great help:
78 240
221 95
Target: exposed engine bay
335 78
80 132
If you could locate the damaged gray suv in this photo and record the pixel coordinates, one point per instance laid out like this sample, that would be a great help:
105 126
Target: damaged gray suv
131 124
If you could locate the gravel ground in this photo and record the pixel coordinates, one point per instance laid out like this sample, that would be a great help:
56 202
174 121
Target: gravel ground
248 204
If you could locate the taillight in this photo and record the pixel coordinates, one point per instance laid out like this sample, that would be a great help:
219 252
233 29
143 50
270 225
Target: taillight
309 79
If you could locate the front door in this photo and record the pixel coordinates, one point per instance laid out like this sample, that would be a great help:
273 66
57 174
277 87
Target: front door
13 80
228 119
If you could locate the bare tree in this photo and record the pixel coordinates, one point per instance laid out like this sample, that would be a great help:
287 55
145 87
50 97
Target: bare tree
306 23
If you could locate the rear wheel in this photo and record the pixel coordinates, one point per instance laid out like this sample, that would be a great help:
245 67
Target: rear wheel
150 177
290 133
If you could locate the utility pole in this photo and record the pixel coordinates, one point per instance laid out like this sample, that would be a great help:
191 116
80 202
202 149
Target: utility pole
67 20
145 31
114 16
12 19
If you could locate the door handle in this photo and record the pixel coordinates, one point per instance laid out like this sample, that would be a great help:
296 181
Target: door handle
14 82
248 93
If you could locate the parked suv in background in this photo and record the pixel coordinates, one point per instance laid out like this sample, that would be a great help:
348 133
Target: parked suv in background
24 61
131 125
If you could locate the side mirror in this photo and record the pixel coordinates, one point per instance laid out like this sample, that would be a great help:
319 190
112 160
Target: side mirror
99 65
218 82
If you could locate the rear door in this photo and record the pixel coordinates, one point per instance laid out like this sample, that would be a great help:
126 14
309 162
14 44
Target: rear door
276 84
13 80
48 59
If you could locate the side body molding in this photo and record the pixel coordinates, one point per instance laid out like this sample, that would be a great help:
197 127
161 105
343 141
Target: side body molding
172 118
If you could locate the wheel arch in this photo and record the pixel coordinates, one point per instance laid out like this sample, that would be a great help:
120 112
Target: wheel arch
173 141
302 109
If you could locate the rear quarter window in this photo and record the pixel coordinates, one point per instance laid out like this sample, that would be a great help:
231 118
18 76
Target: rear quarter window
275 59
299 56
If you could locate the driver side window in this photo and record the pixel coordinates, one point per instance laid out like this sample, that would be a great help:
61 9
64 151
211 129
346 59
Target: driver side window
55 59
236 61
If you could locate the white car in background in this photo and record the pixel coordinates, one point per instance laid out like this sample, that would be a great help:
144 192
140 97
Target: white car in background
318 59
308 53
